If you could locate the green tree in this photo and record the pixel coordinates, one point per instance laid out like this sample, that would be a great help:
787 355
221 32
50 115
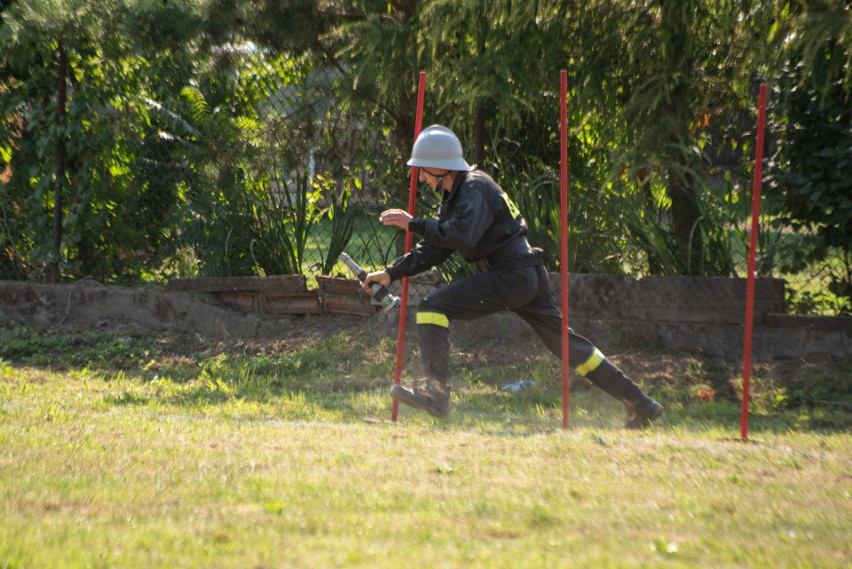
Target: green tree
664 76
116 187
137 149
809 190
168 135
645 80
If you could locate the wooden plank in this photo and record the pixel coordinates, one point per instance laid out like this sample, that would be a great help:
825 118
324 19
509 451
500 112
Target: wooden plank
306 302
339 286
287 283
344 296
348 304
240 300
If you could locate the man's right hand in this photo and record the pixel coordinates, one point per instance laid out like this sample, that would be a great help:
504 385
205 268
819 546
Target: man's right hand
379 277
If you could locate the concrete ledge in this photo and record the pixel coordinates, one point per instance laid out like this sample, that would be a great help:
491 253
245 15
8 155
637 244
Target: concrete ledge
799 337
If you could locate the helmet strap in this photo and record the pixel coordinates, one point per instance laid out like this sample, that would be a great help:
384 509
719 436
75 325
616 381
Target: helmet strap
439 178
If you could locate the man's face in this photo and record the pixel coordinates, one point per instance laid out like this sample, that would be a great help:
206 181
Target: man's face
433 177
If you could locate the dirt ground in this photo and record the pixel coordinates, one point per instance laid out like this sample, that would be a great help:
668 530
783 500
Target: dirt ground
192 323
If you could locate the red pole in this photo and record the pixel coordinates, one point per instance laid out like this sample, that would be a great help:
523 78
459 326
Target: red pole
755 211
412 202
563 95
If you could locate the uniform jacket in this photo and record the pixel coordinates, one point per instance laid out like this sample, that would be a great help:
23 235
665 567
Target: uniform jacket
476 218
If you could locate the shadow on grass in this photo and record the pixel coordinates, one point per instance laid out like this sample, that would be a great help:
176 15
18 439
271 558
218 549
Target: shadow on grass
528 414
335 374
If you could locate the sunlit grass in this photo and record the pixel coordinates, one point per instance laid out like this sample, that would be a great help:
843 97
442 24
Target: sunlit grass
211 454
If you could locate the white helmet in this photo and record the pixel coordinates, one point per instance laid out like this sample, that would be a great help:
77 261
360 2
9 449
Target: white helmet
438 147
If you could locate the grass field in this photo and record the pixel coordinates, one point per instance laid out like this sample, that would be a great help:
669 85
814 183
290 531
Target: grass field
174 451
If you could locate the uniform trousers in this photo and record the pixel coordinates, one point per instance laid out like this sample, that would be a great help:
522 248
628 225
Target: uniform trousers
527 292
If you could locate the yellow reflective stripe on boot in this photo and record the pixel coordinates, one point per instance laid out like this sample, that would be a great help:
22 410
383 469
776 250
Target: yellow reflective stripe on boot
435 318
592 363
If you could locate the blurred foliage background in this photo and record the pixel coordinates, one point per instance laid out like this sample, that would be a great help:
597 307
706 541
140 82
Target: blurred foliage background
142 140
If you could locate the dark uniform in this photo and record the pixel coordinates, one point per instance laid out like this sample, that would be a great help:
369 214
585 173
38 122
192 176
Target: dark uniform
478 219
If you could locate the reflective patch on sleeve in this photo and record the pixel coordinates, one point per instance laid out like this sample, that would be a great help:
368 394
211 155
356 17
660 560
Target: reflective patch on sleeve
433 318
591 364
510 205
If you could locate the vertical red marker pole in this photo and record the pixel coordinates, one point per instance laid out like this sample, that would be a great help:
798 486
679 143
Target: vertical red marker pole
563 97
755 212
412 202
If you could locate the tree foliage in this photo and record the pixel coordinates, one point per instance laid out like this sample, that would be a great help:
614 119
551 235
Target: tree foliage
170 144
122 175
810 191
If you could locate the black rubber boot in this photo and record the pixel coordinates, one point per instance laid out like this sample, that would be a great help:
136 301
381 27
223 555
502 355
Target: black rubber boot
434 397
641 413
641 409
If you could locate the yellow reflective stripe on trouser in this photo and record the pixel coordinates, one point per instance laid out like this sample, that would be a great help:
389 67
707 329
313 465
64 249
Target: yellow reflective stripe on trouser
433 318
592 363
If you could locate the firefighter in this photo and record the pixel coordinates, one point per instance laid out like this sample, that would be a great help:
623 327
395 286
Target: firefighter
479 220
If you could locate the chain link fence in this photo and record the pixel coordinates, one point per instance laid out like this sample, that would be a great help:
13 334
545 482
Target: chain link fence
300 181
297 176
333 165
